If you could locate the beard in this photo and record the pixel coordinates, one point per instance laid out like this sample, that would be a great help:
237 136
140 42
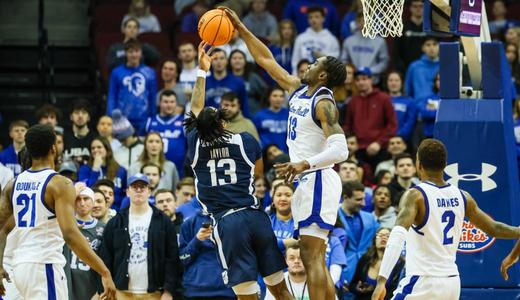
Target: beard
299 273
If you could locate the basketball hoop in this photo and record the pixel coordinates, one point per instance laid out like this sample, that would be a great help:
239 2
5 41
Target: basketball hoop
383 18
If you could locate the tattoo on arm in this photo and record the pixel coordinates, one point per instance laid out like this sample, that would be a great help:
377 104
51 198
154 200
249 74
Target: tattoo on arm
408 208
328 115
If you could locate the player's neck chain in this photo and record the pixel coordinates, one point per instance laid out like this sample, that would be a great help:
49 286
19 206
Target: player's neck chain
303 290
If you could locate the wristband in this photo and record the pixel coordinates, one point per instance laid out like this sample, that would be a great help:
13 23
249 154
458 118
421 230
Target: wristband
201 73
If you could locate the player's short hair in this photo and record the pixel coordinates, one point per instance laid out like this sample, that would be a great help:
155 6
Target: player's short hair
151 164
432 155
401 156
132 44
229 96
167 93
316 8
163 191
189 181
39 140
350 187
210 125
104 182
131 19
301 62
24 160
47 110
336 72
18 123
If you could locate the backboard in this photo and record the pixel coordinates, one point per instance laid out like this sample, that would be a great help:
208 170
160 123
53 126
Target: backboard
453 17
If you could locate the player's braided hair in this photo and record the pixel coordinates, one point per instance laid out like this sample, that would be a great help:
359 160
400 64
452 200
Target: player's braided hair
209 125
336 71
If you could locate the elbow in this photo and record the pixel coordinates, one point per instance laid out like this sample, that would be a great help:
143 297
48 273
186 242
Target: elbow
343 154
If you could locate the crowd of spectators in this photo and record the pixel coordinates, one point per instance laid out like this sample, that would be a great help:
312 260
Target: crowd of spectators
131 162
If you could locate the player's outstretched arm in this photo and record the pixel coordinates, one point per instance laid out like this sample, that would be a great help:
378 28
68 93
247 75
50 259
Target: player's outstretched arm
199 90
263 55
64 194
483 221
408 210
7 224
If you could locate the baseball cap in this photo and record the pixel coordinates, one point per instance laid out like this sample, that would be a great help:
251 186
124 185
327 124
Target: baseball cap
138 177
68 166
87 192
363 71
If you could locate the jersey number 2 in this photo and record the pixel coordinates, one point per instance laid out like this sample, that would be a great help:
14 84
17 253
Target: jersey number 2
27 203
229 171
448 217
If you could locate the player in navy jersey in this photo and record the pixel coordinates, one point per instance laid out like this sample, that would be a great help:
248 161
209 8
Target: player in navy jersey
225 165
170 126
316 142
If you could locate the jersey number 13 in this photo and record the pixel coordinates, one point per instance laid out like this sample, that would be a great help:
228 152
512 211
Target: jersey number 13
229 176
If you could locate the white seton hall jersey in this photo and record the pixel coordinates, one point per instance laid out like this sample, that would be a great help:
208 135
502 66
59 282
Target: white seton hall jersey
431 247
36 233
305 138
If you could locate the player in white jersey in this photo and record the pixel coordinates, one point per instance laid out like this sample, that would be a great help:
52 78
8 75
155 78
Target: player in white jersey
430 221
316 142
37 210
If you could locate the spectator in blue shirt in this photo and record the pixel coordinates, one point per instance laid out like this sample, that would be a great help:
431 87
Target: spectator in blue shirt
429 106
221 82
191 20
296 11
500 22
133 87
8 156
169 125
102 165
348 24
271 122
359 225
404 106
420 74
202 277
282 48
281 215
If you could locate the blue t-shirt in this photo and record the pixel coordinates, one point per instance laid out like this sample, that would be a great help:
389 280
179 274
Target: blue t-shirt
9 158
133 91
272 127
215 89
428 108
89 177
282 230
224 172
171 129
406 112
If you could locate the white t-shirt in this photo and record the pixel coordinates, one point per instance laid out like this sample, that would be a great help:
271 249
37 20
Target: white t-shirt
138 262
299 290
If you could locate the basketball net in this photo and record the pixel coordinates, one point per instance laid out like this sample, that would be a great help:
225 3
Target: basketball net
383 18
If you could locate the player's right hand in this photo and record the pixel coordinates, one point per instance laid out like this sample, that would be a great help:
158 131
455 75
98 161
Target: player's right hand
379 292
233 17
109 292
3 275
506 264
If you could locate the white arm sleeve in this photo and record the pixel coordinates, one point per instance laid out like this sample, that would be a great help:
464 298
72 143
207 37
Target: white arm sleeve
335 273
336 152
393 250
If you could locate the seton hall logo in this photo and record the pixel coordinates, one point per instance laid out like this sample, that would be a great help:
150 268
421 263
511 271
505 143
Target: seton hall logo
484 177
473 239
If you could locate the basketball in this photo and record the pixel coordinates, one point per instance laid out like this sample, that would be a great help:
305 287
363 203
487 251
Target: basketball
215 27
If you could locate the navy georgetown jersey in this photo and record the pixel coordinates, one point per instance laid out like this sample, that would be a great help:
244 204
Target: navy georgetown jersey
224 173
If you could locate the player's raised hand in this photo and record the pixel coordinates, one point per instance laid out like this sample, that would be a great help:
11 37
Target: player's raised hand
379 292
109 292
506 264
233 17
205 57
290 170
3 275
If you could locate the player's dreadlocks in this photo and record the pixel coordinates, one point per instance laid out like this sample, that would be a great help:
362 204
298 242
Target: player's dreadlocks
210 125
336 72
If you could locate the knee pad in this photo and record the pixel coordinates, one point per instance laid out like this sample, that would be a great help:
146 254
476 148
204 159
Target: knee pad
246 288
274 279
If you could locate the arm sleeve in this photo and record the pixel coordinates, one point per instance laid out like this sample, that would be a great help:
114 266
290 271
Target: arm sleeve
393 250
336 151
335 273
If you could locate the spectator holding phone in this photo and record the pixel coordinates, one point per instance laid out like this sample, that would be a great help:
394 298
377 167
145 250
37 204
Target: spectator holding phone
202 271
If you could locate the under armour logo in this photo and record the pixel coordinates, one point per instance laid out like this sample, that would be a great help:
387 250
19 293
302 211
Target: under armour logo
487 170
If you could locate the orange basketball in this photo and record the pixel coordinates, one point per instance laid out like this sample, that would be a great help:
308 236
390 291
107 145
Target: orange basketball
215 28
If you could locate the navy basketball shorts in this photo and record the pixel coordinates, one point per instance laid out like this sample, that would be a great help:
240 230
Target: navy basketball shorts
246 246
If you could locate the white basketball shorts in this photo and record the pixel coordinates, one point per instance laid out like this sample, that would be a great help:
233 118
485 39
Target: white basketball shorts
40 281
428 288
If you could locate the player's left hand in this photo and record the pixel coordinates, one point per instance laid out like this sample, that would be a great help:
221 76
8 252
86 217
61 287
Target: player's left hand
290 170
379 292
205 57
506 264
3 275
166 295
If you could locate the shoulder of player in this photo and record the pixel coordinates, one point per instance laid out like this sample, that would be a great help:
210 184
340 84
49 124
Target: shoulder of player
59 183
413 195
